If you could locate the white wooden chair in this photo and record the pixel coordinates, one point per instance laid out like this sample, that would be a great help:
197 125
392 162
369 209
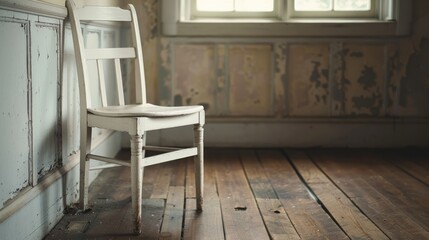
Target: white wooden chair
136 118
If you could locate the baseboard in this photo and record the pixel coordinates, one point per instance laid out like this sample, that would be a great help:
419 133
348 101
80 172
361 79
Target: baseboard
302 133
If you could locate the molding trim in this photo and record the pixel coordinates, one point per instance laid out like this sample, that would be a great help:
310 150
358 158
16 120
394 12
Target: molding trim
31 192
35 7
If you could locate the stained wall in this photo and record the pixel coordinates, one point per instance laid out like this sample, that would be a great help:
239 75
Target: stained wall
285 78
293 92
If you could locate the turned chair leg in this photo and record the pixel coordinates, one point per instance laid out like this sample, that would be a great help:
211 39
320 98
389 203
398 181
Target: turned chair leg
199 165
136 179
85 148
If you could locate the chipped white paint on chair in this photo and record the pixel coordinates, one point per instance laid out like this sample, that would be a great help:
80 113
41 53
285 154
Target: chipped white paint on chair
135 118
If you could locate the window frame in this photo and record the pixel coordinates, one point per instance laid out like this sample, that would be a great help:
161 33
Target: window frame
394 19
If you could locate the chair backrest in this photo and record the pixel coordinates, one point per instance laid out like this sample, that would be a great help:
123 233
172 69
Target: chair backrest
100 55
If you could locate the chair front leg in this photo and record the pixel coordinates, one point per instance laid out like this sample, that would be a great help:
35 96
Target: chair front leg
199 165
85 148
136 179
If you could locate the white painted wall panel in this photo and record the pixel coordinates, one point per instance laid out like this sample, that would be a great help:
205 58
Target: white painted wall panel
93 40
39 121
14 115
70 99
45 82
38 217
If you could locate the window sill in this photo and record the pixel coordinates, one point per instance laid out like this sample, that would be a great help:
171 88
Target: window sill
295 28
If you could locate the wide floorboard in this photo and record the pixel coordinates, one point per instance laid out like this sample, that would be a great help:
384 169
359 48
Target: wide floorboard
266 194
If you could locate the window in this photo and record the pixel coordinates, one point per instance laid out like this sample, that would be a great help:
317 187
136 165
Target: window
333 8
234 9
276 18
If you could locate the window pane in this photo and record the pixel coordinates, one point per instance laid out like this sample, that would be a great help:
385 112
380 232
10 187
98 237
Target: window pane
215 6
254 5
313 5
353 5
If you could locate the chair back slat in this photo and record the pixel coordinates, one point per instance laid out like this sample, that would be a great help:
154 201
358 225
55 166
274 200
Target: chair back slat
109 53
119 83
104 14
102 82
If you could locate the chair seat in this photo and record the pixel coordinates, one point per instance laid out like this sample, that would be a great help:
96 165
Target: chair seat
144 110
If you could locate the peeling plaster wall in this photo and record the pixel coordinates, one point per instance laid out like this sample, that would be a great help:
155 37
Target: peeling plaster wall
14 116
39 115
295 77
291 78
308 80
261 79
31 100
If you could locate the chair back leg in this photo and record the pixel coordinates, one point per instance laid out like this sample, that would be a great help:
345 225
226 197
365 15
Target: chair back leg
85 149
199 164
136 179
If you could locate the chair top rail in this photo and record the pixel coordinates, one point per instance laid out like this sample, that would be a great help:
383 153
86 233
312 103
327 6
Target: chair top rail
110 53
93 13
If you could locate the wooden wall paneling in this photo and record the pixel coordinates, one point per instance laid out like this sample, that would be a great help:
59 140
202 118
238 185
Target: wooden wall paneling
221 78
194 76
70 99
364 77
394 71
308 79
337 80
45 96
408 77
280 79
39 118
165 73
15 115
250 79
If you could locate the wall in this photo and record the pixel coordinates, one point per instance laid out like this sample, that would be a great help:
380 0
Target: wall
299 92
39 114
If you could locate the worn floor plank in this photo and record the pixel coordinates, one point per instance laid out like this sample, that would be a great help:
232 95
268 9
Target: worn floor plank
266 194
309 219
350 218
239 209
414 170
178 173
173 217
237 202
354 175
190 178
208 224
276 220
416 164
162 181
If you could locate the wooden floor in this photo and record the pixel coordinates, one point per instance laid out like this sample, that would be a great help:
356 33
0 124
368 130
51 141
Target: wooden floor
267 194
